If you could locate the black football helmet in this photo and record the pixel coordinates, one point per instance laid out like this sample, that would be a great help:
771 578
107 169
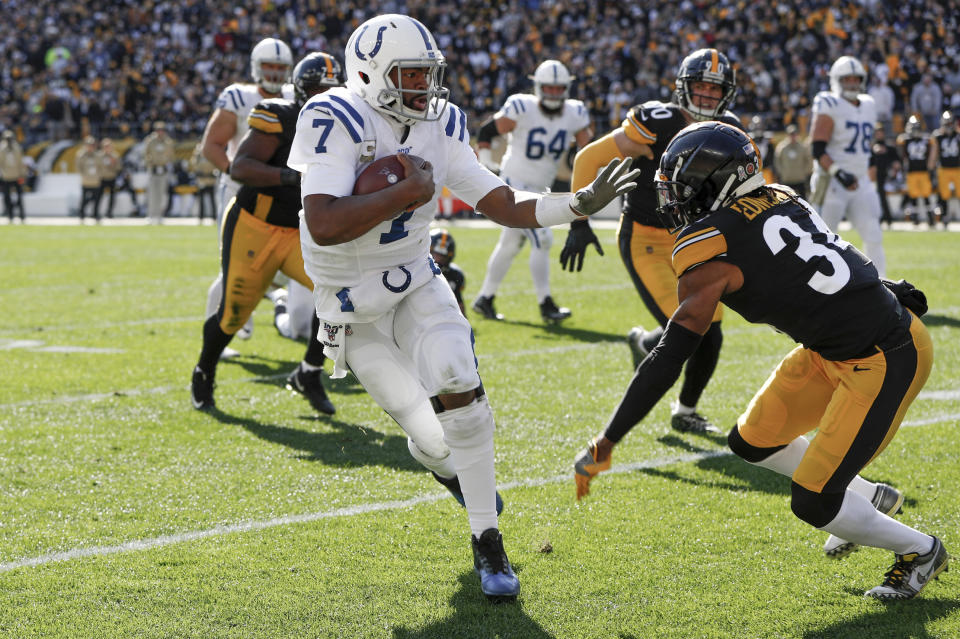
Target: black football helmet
705 65
441 243
315 73
705 166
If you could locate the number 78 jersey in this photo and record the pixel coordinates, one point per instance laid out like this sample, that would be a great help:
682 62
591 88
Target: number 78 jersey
851 143
798 276
536 146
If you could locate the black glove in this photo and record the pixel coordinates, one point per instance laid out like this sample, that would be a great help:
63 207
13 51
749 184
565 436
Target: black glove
908 295
578 239
846 178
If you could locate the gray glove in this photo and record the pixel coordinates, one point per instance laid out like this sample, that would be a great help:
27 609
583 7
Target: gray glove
615 179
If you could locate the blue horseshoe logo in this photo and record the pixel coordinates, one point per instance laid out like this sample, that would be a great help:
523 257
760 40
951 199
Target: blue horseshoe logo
376 48
402 287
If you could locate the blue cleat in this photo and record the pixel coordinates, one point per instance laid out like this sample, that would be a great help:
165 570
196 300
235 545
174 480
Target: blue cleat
497 580
453 485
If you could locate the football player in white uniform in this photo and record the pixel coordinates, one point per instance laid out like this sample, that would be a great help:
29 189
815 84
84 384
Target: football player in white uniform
843 181
270 65
540 128
386 312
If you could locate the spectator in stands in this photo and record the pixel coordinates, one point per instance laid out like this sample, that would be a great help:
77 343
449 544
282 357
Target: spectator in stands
88 165
883 97
158 155
926 99
792 161
12 174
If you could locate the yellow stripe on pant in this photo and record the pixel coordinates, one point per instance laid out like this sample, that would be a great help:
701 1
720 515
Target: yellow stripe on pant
855 405
257 250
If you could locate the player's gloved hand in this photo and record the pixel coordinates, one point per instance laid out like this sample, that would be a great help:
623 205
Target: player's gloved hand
615 179
575 249
846 178
908 295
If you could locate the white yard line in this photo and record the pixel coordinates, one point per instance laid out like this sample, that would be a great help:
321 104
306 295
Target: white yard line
250 526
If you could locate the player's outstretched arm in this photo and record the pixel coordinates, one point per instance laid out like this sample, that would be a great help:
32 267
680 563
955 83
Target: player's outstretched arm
529 210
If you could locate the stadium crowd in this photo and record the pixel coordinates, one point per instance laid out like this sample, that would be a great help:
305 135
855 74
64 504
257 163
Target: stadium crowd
112 69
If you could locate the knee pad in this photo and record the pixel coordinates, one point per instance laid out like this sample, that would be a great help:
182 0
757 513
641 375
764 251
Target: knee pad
748 452
817 509
432 456
470 426
446 360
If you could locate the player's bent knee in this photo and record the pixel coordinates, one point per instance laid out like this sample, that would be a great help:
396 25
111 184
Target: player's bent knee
432 447
817 509
748 452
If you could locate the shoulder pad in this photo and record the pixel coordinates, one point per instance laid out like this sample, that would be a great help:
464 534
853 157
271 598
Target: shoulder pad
342 111
455 123
696 244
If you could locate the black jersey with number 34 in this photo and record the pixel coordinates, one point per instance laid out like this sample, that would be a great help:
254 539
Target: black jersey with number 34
798 276
654 124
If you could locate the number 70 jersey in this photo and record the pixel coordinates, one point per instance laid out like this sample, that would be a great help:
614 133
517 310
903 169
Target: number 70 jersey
537 145
798 276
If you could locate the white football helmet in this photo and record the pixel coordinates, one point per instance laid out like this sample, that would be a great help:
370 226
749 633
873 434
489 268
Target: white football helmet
845 66
274 51
391 41
551 73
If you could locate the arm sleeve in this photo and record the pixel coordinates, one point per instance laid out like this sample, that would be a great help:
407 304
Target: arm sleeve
590 159
654 377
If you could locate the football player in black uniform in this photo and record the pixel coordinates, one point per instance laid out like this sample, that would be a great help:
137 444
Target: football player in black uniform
863 358
706 86
443 249
915 149
945 156
260 233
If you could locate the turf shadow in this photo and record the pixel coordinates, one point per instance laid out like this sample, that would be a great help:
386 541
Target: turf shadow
932 319
343 444
580 334
476 618
890 619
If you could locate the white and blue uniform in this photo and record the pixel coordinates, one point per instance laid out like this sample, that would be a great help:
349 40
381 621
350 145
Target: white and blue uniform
535 148
850 147
385 309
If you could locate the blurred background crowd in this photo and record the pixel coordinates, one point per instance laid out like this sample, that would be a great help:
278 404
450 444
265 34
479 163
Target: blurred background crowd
111 69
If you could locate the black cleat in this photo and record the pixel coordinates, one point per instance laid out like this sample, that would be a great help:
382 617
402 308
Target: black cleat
497 579
308 384
692 423
551 313
201 390
484 306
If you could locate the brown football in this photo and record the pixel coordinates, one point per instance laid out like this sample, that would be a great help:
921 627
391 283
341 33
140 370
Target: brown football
382 173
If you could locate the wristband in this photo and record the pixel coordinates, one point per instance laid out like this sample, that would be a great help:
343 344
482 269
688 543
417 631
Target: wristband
289 177
554 210
833 169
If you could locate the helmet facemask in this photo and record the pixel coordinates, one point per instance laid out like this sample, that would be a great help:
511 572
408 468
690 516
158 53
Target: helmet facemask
396 95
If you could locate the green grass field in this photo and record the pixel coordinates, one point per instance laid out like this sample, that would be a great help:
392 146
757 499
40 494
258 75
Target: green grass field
126 513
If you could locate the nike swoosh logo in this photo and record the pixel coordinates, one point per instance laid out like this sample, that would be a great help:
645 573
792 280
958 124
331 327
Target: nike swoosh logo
857 368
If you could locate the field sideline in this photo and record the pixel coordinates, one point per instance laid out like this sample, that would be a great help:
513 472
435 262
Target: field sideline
126 513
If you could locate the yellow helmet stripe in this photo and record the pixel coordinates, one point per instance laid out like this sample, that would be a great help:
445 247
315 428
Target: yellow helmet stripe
714 60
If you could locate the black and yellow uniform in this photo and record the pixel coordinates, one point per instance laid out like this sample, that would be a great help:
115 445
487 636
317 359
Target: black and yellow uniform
260 234
645 245
948 163
456 279
863 358
916 156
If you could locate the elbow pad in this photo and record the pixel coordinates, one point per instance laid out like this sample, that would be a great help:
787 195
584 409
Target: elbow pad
487 132
818 148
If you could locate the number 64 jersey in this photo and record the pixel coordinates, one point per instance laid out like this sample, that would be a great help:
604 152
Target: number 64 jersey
339 134
798 276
